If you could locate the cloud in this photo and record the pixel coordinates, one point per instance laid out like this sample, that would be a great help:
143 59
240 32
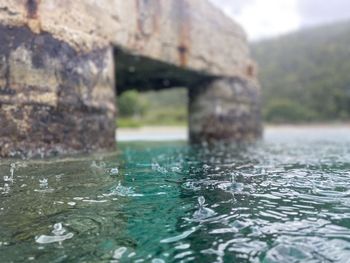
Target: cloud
269 18
232 7
315 12
266 18
263 18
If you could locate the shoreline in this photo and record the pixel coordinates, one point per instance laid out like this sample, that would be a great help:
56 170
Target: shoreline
167 133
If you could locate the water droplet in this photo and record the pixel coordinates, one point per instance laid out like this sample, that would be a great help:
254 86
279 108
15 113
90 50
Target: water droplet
52 239
12 173
121 190
158 168
206 167
175 169
6 189
43 183
59 235
114 171
158 260
118 253
58 229
203 212
201 201
59 177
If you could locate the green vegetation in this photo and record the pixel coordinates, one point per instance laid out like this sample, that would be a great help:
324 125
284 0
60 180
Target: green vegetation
132 105
154 108
283 110
305 76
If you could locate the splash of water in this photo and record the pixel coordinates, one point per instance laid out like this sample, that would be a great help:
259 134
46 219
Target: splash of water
58 235
203 212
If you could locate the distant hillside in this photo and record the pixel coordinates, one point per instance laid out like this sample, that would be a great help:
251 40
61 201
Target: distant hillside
305 76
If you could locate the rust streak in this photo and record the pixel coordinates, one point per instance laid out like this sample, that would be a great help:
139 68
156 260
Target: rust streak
250 71
32 8
182 55
184 32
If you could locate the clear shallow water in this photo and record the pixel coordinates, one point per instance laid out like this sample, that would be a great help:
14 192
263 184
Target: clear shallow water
286 199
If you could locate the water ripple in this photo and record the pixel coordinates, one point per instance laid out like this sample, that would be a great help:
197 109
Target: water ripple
286 199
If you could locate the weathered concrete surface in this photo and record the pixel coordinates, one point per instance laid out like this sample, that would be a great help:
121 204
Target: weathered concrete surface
52 98
56 96
57 67
188 33
226 109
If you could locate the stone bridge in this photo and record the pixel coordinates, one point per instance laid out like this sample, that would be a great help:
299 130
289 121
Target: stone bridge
63 61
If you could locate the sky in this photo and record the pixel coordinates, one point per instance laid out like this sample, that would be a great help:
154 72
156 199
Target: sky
268 18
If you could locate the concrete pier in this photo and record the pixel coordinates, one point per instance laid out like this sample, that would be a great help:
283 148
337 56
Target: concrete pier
59 61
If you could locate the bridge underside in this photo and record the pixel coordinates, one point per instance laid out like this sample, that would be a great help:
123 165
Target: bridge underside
220 108
60 66
143 74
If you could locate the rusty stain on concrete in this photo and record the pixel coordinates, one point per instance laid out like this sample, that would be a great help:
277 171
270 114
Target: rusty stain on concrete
32 8
183 55
184 31
250 71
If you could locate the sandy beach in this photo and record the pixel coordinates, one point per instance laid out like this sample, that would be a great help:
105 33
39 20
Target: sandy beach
155 133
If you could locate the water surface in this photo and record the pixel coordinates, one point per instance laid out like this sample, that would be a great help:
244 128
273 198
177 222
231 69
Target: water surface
285 199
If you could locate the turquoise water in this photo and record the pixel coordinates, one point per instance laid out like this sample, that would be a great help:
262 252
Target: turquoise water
285 199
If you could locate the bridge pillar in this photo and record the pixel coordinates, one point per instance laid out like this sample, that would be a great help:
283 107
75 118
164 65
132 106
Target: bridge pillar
53 99
225 109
